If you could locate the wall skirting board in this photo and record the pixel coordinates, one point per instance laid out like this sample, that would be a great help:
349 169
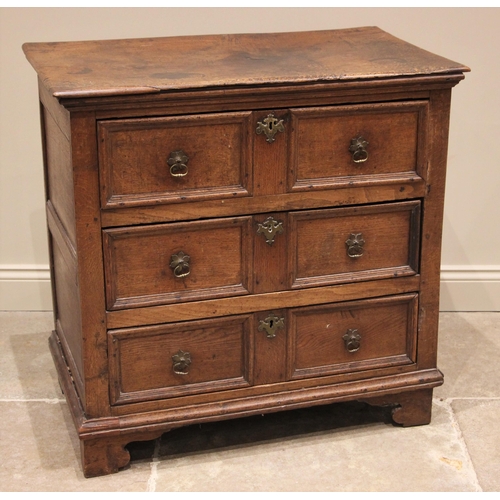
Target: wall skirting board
470 288
463 288
25 287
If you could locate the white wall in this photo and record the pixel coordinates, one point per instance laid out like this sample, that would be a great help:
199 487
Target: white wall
471 247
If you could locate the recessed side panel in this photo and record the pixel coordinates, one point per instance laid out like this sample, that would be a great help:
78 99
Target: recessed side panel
59 173
66 301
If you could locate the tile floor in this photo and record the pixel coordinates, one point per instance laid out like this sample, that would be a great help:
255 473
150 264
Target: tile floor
343 447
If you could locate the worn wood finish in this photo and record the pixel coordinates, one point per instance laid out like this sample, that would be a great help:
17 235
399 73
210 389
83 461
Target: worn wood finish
143 366
262 97
270 349
262 322
66 310
408 408
432 224
260 302
242 402
225 60
134 157
386 328
90 276
270 259
270 158
320 155
59 180
108 455
320 243
400 188
220 262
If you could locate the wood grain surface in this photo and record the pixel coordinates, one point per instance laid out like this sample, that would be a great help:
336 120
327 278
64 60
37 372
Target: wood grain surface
109 67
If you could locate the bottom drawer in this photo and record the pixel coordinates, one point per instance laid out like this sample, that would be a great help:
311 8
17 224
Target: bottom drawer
183 358
261 349
352 336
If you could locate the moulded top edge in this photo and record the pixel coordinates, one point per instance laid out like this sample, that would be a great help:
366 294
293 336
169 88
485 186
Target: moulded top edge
151 65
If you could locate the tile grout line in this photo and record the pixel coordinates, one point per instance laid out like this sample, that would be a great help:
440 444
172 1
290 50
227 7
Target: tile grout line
472 398
154 467
446 405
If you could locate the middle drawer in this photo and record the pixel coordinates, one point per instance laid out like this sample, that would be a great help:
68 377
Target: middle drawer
263 253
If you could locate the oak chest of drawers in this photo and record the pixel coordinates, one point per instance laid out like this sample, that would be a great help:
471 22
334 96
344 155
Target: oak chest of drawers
241 224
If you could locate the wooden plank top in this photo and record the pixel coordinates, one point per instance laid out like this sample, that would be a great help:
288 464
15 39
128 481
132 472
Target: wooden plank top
152 65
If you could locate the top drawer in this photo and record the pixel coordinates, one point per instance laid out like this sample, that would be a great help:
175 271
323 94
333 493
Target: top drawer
162 160
172 159
357 145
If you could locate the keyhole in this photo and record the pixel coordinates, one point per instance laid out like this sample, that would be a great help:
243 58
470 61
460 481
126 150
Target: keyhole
271 323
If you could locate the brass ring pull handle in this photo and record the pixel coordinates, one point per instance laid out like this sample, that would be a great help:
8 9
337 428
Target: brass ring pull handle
270 126
180 264
271 324
358 149
181 361
178 163
352 340
355 244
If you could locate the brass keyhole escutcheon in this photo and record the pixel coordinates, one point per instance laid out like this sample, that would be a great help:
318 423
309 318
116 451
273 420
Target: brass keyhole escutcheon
352 340
271 324
270 126
270 228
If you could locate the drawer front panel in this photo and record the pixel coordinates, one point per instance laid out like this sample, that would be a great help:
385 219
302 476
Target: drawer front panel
353 336
168 160
179 359
168 263
347 244
349 145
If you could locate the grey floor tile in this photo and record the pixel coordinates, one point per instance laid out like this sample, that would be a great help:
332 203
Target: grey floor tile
21 322
349 454
40 452
479 421
469 349
26 367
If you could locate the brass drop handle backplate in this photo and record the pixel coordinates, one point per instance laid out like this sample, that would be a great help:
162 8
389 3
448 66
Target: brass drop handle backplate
358 149
270 126
352 340
181 361
180 264
178 163
355 244
271 324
